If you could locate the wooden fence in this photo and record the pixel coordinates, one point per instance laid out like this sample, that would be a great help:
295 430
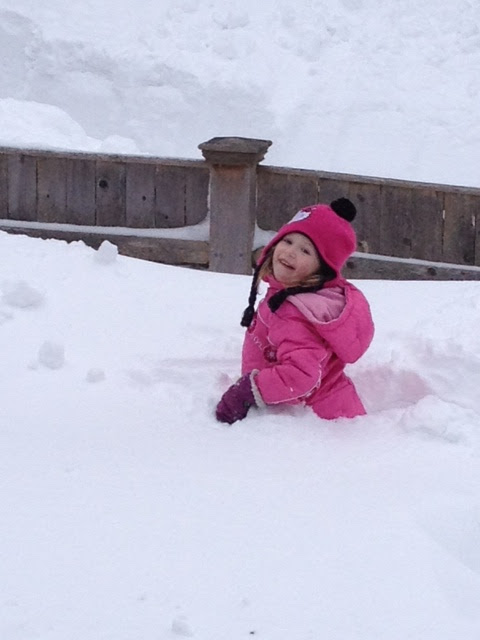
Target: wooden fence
425 230
117 191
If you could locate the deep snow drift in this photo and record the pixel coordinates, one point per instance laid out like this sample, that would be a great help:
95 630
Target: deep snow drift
129 512
388 89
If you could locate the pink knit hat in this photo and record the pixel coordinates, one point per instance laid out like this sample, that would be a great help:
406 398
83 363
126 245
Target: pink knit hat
328 227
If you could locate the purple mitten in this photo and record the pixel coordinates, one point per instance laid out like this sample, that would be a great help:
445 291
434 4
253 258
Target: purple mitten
236 401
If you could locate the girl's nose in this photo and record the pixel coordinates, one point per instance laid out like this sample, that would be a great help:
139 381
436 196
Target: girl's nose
291 250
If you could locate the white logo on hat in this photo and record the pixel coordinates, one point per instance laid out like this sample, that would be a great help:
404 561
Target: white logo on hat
300 215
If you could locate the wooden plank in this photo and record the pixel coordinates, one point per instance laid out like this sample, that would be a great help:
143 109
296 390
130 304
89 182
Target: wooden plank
110 194
396 222
280 196
188 253
350 177
51 190
459 236
366 267
3 186
22 187
330 190
80 190
427 224
140 195
170 187
107 157
196 195
168 251
367 199
272 200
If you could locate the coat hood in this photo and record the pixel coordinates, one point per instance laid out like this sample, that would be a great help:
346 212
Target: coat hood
341 315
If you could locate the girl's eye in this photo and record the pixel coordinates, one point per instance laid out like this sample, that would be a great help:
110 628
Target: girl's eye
287 240
306 251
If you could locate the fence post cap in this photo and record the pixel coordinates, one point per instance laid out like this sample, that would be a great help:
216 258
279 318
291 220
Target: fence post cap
234 150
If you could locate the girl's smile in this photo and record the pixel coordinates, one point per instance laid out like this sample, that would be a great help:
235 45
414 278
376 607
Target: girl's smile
294 259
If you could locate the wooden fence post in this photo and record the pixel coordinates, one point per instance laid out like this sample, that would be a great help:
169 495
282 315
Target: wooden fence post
232 200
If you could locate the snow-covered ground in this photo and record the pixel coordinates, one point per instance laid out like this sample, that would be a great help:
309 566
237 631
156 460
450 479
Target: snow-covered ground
128 512
360 86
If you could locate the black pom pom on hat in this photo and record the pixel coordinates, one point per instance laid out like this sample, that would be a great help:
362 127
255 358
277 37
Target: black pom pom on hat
344 208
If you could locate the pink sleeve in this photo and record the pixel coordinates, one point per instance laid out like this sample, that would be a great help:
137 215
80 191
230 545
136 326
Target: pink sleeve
301 355
252 356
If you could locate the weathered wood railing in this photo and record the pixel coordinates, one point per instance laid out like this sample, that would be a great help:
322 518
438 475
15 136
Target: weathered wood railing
149 207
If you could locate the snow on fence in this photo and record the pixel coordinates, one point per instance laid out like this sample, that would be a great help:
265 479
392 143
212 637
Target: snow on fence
204 213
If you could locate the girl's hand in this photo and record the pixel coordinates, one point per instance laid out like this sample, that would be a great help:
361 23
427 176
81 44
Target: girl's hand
236 401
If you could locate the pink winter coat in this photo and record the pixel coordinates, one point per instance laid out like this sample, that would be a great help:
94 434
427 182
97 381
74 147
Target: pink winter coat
298 354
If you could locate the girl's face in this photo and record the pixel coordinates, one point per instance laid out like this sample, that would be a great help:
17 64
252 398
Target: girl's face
294 259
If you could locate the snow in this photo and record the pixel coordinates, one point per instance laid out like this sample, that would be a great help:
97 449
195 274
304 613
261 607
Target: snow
386 89
128 512
107 253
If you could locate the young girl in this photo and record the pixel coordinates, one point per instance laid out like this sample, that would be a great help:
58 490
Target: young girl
311 323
